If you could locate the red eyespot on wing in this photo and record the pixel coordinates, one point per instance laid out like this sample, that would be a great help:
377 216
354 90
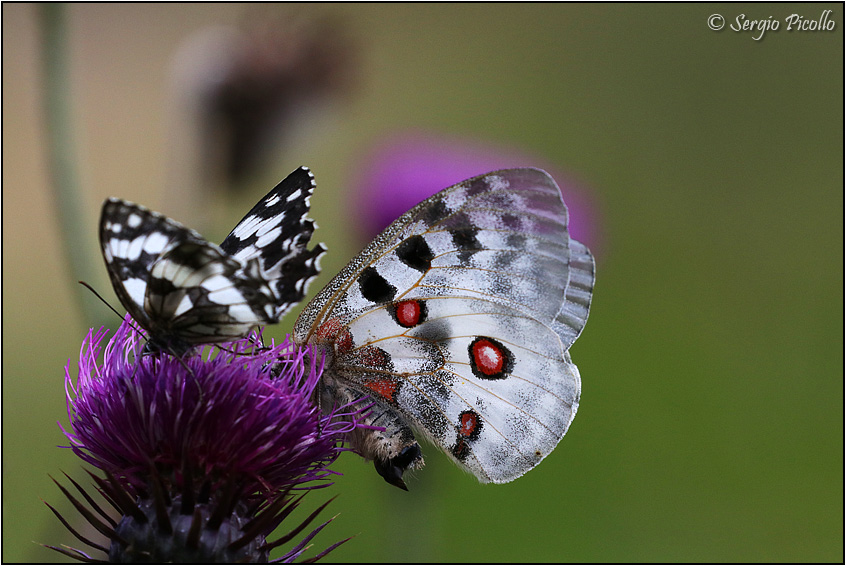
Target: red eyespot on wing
489 359
469 425
409 313
468 429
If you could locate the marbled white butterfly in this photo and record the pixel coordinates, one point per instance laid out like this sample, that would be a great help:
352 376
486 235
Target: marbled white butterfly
456 322
184 290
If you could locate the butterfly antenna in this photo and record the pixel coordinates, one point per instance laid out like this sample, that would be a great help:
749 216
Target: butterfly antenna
105 302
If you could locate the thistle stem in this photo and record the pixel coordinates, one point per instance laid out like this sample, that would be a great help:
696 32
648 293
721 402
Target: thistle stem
61 153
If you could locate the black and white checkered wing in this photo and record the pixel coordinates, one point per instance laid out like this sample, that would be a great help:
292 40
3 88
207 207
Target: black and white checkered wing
275 234
132 239
179 287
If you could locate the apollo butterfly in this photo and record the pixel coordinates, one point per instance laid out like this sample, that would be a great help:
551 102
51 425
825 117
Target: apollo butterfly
456 323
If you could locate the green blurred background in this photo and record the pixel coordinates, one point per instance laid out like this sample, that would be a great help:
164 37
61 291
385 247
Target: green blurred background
711 421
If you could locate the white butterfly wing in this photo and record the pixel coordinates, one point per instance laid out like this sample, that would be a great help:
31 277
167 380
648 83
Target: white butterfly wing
436 379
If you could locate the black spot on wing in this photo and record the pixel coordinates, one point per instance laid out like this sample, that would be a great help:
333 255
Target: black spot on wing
461 450
131 268
158 287
374 287
503 260
512 221
465 241
465 238
477 185
195 256
516 241
415 253
434 211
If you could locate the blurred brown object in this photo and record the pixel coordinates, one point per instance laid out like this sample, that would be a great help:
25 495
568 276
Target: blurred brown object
242 93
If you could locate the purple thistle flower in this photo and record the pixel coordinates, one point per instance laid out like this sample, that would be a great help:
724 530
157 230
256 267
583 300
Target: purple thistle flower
200 455
412 166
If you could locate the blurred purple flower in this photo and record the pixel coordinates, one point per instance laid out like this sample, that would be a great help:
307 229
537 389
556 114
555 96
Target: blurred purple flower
413 166
200 455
